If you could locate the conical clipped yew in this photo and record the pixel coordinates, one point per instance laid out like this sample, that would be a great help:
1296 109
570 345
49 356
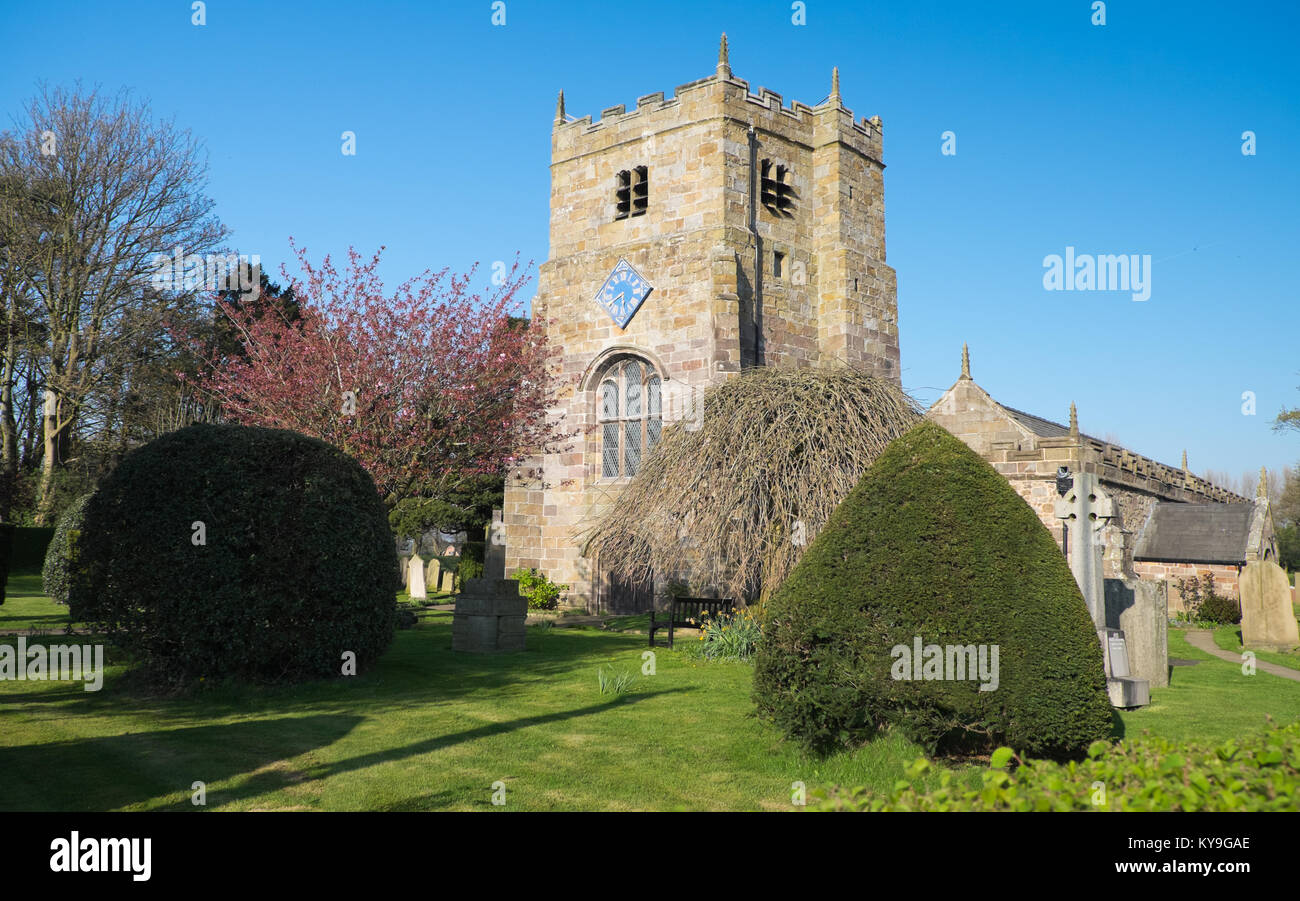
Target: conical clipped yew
933 544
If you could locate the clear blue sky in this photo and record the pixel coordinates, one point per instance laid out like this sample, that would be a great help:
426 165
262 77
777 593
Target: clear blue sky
1124 138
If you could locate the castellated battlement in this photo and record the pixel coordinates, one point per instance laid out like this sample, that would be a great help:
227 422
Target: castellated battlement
720 96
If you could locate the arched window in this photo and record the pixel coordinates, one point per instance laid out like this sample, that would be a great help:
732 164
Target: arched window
628 405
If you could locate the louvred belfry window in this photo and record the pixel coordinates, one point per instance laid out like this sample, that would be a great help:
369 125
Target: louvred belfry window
776 188
629 407
632 192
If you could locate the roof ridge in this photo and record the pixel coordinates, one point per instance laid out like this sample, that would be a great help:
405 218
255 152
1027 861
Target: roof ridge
1061 426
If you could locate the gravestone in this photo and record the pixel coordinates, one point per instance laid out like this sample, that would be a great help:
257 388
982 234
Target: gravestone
448 568
1268 622
1086 510
405 548
1117 653
489 617
440 574
415 584
1140 609
429 542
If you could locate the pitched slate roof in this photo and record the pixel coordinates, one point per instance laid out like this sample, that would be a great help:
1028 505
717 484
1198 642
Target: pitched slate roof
1196 533
1043 428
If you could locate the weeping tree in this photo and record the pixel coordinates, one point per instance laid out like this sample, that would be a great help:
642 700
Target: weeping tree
729 506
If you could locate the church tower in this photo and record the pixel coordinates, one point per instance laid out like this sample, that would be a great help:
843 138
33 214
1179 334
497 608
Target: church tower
690 238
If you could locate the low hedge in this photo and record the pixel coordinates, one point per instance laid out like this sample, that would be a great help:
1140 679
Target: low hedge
30 546
542 593
1218 609
1258 772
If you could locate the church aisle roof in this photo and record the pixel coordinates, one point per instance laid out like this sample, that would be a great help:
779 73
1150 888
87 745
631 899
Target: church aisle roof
1196 533
1043 428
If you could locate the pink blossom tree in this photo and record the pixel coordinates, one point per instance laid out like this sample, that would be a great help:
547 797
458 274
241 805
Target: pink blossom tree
428 387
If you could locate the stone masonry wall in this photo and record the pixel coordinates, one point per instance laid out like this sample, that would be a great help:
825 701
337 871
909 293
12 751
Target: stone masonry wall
1030 461
703 321
1226 578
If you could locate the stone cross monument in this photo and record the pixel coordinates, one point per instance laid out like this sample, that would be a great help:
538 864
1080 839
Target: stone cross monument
1086 510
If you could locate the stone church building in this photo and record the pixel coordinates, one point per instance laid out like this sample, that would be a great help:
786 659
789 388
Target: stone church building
691 237
718 229
1168 524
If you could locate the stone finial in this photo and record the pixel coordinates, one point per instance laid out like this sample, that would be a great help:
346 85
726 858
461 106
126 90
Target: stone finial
559 110
835 84
724 62
1262 490
1184 460
1074 420
965 360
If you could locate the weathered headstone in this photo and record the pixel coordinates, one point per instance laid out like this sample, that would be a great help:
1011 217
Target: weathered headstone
440 574
1086 510
405 548
415 585
1140 609
1268 621
489 617
429 542
448 567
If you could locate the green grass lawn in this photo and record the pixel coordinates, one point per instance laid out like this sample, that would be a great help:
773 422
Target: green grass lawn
425 730
1229 638
26 607
1211 701
431 730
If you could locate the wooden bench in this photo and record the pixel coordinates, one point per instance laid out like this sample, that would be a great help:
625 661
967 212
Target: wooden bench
686 612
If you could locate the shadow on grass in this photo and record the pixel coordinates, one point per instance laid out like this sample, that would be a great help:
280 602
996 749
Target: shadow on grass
24 594
115 771
419 667
1117 727
279 779
53 625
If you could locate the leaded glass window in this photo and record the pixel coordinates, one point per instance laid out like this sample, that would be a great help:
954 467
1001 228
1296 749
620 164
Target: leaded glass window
629 407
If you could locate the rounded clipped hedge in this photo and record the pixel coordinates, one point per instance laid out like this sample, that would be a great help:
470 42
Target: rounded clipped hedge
58 556
934 545
232 552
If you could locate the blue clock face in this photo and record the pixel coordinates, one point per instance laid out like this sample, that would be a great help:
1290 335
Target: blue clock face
622 293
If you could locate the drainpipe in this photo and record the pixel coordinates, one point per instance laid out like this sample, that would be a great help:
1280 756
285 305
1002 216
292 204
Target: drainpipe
758 246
